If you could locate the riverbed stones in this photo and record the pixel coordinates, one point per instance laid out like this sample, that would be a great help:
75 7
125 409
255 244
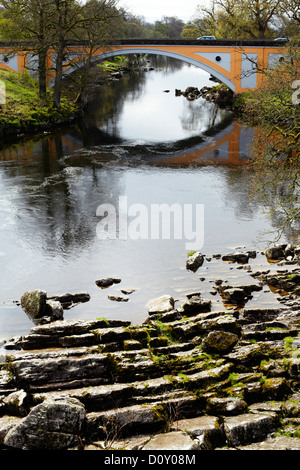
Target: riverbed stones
194 261
108 282
286 282
190 93
206 429
247 428
275 253
59 370
227 406
234 295
54 424
221 95
34 303
195 304
55 310
43 309
118 298
172 441
219 341
222 379
17 403
236 257
162 304
68 299
278 443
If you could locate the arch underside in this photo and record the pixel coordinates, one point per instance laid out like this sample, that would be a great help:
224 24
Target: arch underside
173 55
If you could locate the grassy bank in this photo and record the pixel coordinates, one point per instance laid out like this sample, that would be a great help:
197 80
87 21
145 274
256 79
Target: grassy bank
24 112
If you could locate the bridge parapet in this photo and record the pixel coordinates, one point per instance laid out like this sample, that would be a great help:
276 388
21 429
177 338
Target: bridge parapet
161 42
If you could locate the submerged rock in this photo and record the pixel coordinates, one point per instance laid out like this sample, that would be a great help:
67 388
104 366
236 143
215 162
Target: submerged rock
118 298
236 257
128 291
103 283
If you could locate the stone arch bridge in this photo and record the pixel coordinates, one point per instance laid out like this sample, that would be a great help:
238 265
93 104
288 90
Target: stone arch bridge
237 63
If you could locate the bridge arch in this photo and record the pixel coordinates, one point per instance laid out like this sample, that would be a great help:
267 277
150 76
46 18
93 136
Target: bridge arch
174 55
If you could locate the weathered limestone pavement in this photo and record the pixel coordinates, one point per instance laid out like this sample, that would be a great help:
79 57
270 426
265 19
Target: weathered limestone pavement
188 378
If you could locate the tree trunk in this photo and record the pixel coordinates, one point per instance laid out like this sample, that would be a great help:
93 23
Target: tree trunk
60 53
58 76
42 74
42 54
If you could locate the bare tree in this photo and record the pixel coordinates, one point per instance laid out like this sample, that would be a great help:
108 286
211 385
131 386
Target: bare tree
55 24
28 19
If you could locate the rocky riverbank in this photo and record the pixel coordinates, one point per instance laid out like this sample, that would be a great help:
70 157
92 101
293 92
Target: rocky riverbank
188 378
220 94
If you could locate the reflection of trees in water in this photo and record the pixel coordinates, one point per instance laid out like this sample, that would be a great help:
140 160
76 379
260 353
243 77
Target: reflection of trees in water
106 107
275 205
281 203
58 197
236 194
166 64
201 115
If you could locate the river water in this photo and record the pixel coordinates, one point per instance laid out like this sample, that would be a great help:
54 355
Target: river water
139 145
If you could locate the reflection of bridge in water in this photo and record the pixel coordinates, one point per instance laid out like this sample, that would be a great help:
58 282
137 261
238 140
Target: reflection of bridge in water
230 146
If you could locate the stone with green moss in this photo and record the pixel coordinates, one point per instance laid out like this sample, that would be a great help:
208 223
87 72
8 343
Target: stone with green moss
34 303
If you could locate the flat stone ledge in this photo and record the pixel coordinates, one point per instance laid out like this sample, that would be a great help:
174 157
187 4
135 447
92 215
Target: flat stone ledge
276 443
172 441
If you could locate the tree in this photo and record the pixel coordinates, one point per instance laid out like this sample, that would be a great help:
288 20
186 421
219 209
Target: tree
100 19
160 30
190 31
53 24
28 19
274 107
246 18
128 25
289 13
174 26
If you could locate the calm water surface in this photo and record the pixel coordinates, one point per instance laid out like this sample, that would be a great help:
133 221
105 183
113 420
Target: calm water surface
139 141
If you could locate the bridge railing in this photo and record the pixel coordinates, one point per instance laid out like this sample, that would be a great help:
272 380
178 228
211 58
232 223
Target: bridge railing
24 44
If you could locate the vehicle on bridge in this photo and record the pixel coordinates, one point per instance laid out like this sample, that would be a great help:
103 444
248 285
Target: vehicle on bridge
207 37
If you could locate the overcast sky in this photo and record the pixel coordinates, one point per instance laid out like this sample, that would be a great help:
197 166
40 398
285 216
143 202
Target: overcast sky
155 9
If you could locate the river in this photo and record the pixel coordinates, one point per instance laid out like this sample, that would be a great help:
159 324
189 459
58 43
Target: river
139 145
